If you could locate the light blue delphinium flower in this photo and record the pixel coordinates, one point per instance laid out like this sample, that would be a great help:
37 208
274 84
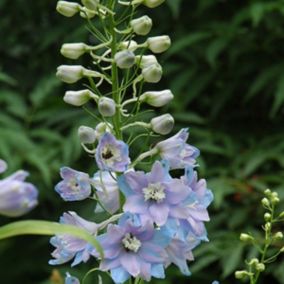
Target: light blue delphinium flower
177 152
71 279
3 166
131 250
112 154
67 246
75 185
107 191
155 196
17 197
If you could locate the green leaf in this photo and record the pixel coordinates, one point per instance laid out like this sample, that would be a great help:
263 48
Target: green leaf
47 228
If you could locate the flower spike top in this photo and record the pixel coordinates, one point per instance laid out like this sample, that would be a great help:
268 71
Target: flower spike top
152 217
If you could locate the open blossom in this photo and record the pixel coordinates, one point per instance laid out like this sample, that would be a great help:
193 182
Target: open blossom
131 250
75 185
107 191
17 197
177 151
155 196
112 154
67 246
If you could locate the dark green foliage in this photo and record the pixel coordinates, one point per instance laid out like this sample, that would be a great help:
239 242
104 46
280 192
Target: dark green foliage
226 70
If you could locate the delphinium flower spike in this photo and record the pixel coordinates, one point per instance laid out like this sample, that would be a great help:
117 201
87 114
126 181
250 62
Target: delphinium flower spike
160 216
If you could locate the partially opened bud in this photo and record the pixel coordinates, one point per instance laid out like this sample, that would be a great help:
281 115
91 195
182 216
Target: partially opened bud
157 99
70 73
152 73
91 4
67 9
142 25
163 124
153 3
159 44
77 98
73 50
124 59
87 135
106 106
146 60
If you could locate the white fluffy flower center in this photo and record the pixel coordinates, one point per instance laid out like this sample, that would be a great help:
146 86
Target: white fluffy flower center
131 243
110 155
154 191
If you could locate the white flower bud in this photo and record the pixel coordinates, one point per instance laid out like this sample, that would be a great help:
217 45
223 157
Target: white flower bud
70 73
152 73
102 128
124 59
106 106
267 226
260 267
146 60
159 44
153 3
73 50
253 262
87 13
77 98
267 217
67 9
241 274
265 202
130 45
246 238
157 99
142 25
163 124
87 135
267 192
278 236
91 4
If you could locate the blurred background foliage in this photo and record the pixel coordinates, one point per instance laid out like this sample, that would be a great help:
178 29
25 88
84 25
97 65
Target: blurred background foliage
226 70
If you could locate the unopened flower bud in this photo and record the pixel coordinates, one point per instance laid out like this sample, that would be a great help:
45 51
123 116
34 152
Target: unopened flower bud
146 61
163 124
130 45
253 262
142 25
87 135
265 202
157 99
106 107
153 3
124 59
77 98
241 274
152 73
267 226
70 73
159 44
67 9
246 238
260 267
267 216
278 236
87 13
91 4
267 192
73 50
102 128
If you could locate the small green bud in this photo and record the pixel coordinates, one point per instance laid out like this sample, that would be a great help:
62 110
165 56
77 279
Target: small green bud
267 226
73 50
77 98
142 25
265 202
67 9
106 107
267 192
260 267
267 217
275 200
159 44
157 99
162 124
241 274
86 135
278 236
91 4
152 73
87 13
124 59
253 262
246 238
152 3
